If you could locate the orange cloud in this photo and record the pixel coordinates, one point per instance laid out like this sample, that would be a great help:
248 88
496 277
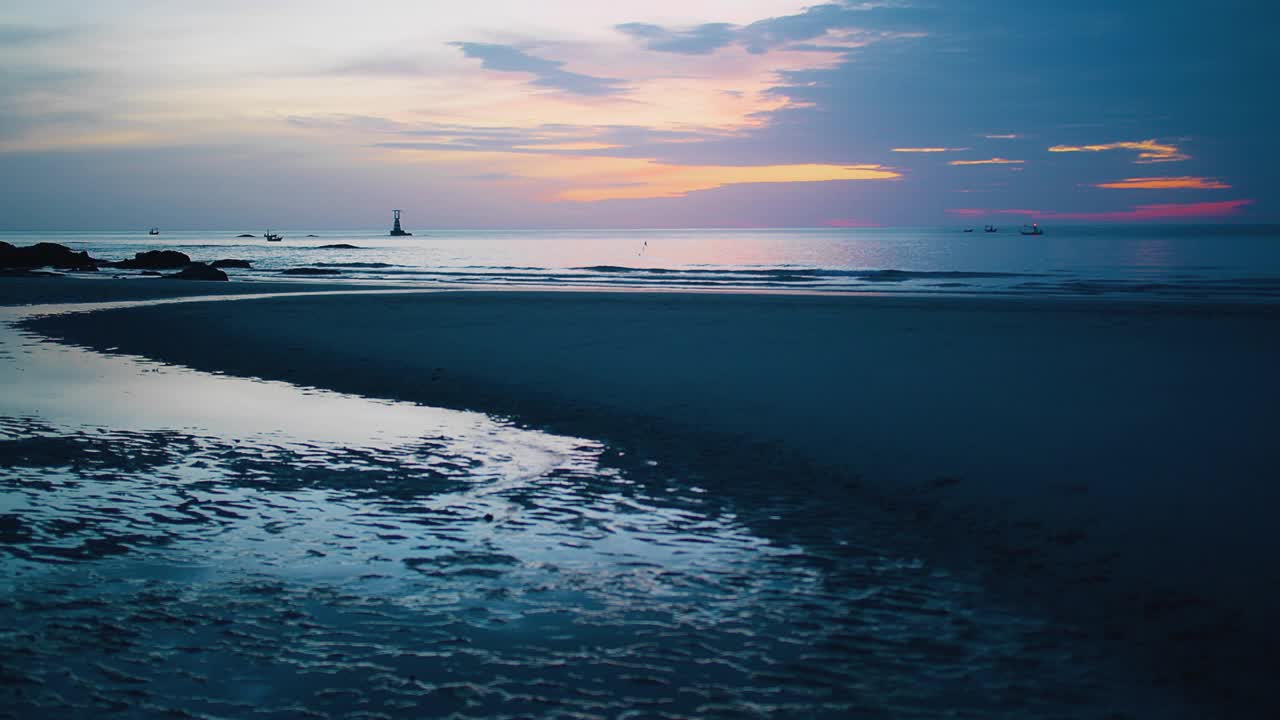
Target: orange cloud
989 161
657 180
591 178
927 149
1149 151
1166 183
1165 211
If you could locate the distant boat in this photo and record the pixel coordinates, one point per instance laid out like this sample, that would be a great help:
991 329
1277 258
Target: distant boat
153 231
396 230
272 237
1032 229
968 230
991 228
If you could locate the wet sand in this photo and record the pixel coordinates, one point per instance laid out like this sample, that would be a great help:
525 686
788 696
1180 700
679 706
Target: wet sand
102 287
1110 461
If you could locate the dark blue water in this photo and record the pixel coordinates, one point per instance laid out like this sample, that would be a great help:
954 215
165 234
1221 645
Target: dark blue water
1147 261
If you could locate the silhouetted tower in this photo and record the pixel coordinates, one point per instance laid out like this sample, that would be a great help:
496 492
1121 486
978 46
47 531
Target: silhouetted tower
396 231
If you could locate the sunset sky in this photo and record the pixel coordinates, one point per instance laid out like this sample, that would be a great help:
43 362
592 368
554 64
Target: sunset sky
724 113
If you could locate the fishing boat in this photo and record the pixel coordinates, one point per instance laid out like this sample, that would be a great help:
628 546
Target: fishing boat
153 231
1032 229
991 228
272 237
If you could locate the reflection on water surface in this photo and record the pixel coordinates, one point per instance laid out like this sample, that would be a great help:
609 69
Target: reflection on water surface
189 545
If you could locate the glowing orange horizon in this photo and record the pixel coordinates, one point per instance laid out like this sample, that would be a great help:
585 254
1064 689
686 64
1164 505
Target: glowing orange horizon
657 180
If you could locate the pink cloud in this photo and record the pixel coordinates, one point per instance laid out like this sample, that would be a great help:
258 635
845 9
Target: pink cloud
1164 211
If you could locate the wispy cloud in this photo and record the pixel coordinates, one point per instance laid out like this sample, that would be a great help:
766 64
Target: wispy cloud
1006 136
988 161
546 73
1166 183
842 26
927 149
1149 151
21 35
389 66
567 146
361 123
558 139
698 40
1137 213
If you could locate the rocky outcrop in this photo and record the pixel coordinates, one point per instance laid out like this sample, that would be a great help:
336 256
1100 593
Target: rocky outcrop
46 255
310 271
231 263
198 271
156 260
242 235
339 246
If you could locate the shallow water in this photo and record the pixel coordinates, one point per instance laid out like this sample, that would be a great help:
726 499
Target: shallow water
184 544
1222 262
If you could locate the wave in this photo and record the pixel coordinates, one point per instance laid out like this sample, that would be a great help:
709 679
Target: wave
804 273
617 274
361 265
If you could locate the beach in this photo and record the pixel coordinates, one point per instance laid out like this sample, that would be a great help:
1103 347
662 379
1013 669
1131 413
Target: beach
1107 463
638 361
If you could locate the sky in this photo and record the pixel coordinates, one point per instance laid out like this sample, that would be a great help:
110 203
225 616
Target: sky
119 114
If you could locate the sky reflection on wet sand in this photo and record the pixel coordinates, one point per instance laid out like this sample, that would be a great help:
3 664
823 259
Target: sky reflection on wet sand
184 541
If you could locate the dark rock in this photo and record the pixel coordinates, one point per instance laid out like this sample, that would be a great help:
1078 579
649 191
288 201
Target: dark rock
339 246
156 260
198 271
245 235
149 273
314 236
311 271
231 263
46 255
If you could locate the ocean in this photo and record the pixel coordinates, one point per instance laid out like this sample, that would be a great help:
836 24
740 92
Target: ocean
179 543
1219 262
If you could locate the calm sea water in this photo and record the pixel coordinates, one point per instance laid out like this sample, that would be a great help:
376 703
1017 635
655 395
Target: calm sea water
1150 261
